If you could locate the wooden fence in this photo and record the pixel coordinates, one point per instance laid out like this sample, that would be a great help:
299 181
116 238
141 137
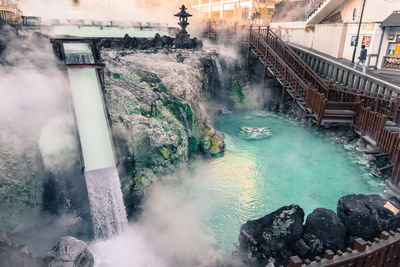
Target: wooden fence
383 251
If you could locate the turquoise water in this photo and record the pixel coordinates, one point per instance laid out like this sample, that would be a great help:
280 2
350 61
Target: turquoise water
296 165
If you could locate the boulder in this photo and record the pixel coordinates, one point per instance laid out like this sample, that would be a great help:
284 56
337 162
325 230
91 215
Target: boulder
69 252
366 216
157 41
274 234
300 248
324 230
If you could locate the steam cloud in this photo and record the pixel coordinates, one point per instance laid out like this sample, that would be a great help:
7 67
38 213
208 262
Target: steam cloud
168 233
34 117
120 10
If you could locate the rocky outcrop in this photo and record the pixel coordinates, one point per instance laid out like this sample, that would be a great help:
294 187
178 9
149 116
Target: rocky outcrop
280 234
324 230
366 216
274 234
144 43
69 252
158 121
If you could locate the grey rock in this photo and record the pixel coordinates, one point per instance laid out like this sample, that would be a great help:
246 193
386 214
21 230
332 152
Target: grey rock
69 252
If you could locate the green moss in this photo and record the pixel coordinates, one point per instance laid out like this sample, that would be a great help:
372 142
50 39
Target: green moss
193 146
148 77
117 75
153 81
215 149
237 95
138 179
165 152
174 105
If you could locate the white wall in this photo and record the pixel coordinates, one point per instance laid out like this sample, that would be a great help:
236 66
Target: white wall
375 10
328 39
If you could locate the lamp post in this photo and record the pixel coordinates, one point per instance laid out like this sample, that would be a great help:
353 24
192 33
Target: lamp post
358 32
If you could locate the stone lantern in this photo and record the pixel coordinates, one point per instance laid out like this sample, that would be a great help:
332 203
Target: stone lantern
183 19
183 39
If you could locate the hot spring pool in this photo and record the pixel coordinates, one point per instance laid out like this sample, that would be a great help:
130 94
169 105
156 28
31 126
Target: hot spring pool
297 164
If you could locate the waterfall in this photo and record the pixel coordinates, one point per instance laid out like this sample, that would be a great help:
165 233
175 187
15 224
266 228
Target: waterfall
79 58
78 53
220 71
184 116
106 202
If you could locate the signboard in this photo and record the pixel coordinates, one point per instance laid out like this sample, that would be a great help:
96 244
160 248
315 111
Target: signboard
393 49
366 40
353 40
391 62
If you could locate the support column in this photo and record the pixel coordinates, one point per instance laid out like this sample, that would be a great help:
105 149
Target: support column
209 9
199 8
221 11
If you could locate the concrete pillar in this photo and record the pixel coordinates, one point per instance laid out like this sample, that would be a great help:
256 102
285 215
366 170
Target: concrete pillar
209 8
221 11
199 8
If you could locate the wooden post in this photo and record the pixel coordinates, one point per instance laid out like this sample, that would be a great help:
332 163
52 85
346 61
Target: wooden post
295 261
265 65
329 254
385 235
327 89
248 50
321 111
284 86
396 110
360 244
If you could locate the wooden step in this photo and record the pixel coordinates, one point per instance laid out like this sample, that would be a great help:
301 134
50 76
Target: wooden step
341 112
336 121
338 116
390 123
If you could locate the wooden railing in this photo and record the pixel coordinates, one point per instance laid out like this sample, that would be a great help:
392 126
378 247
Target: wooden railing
383 251
292 59
370 123
278 65
383 104
395 179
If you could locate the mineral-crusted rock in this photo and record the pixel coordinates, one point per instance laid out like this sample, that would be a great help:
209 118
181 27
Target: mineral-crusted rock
69 252
324 230
274 233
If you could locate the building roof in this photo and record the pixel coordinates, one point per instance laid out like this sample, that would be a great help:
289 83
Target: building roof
393 20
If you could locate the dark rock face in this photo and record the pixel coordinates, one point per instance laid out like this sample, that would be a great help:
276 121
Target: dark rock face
366 216
324 230
69 252
274 234
143 43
